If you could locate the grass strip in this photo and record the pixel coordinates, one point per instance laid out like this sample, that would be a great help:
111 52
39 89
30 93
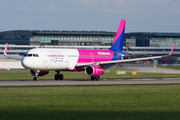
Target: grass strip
87 103
171 67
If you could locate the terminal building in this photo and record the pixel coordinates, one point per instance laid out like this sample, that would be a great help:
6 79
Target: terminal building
134 43
57 38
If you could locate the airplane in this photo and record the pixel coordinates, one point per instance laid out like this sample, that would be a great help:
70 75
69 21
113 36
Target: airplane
93 61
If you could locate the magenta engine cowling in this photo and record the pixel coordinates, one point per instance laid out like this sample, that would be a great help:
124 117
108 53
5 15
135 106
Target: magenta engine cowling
41 72
94 70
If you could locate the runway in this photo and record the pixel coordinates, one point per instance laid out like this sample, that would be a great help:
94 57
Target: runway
102 82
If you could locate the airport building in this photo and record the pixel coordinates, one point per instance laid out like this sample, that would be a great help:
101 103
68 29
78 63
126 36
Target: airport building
145 39
87 38
135 43
57 38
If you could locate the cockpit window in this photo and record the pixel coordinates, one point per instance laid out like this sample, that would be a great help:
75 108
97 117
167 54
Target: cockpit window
31 55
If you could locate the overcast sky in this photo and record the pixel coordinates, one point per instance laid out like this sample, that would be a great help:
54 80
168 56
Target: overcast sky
90 15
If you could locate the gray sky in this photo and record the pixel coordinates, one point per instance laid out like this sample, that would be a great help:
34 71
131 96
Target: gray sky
91 15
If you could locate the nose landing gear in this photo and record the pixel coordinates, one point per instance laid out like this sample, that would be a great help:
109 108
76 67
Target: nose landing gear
36 75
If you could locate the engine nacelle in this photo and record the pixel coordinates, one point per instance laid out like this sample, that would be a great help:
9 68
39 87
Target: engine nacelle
94 70
41 72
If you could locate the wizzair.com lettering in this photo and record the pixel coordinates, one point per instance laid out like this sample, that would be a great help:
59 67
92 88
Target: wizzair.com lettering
104 53
92 61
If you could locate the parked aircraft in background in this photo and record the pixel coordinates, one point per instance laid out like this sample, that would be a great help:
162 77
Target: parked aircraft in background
93 61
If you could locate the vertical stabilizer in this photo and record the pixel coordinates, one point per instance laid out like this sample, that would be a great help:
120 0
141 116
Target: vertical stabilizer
119 39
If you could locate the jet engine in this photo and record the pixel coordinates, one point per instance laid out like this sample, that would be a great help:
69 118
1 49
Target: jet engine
41 72
94 70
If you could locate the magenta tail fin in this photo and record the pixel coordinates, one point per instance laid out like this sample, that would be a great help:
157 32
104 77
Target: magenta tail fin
119 39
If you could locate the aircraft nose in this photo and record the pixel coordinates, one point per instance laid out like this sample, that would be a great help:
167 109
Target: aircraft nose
25 63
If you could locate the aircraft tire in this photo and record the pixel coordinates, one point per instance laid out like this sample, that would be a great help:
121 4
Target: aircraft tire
97 78
61 77
56 76
35 78
92 78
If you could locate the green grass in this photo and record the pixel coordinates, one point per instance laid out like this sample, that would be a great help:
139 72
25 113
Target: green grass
91 103
110 73
171 67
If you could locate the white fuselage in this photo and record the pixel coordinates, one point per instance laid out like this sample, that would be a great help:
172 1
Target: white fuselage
50 59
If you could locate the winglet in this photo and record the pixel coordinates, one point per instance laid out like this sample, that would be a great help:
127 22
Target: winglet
172 49
5 50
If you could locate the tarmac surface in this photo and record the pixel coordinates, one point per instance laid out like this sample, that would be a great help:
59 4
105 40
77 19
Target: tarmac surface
102 82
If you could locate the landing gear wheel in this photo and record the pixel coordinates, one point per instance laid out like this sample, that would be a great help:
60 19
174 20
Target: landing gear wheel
97 78
35 78
61 77
92 78
56 76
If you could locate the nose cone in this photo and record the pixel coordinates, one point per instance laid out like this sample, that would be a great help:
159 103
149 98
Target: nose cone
26 63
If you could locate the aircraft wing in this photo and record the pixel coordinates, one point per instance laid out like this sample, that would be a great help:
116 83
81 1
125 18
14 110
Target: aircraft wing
131 60
118 61
125 60
17 57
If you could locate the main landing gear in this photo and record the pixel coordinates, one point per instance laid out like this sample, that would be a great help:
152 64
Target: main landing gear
95 78
58 76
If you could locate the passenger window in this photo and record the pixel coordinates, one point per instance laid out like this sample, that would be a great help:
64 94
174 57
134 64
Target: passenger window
34 55
37 55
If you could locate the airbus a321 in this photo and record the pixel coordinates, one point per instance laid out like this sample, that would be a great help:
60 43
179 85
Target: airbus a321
93 61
